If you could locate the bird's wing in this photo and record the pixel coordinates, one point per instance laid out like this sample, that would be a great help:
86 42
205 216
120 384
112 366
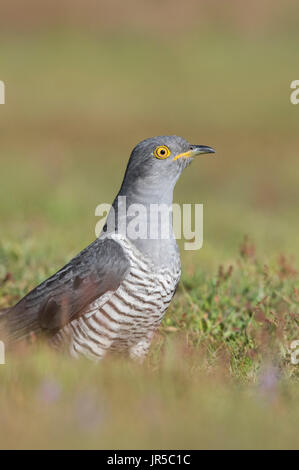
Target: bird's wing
99 268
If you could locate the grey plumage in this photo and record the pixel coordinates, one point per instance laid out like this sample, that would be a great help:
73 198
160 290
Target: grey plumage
112 295
97 269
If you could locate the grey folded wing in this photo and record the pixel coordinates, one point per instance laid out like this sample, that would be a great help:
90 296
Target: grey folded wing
66 295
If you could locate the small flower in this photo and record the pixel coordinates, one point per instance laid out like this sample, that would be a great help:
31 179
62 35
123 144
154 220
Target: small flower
49 391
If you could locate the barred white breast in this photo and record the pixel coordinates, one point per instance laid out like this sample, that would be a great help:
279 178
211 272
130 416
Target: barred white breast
124 320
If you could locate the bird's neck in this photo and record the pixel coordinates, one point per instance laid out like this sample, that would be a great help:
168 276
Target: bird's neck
143 214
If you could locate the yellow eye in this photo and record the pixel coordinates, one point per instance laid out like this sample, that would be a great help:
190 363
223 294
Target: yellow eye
162 152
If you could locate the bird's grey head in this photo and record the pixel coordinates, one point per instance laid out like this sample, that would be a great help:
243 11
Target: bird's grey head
153 169
156 163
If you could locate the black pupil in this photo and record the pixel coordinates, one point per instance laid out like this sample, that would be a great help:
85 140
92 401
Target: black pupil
162 152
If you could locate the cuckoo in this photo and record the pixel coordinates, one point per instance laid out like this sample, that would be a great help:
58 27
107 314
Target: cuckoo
112 296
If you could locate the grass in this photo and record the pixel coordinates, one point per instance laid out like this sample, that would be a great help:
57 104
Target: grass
219 372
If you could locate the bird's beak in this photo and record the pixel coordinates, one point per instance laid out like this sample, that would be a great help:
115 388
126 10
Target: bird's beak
194 151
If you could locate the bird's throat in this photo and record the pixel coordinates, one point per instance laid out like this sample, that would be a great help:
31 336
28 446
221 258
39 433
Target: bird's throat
145 218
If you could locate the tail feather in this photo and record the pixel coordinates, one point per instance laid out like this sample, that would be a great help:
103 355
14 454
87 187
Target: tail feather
15 326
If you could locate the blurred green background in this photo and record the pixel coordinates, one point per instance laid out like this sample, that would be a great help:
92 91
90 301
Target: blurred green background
85 81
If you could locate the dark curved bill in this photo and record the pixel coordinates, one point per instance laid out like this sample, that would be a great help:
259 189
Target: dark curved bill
195 150
199 149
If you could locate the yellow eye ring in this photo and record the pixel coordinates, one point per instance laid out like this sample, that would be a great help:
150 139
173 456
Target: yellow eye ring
162 152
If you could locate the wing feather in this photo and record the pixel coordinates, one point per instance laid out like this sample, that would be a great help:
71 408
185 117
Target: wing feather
66 295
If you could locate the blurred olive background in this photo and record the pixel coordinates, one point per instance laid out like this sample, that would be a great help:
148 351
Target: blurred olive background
85 81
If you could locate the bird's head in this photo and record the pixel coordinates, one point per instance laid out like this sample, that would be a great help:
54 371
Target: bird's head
159 161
